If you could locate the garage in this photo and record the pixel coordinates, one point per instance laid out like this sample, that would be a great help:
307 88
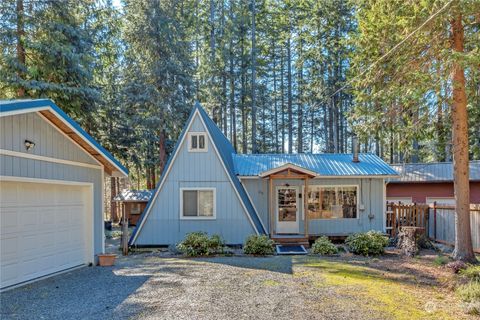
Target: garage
52 176
45 228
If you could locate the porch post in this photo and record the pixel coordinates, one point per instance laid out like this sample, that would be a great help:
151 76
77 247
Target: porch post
305 206
270 205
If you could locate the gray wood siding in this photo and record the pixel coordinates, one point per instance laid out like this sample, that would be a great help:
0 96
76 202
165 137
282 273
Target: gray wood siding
19 167
49 142
163 225
370 194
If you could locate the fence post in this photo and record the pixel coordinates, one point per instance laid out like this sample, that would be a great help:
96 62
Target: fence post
435 220
394 218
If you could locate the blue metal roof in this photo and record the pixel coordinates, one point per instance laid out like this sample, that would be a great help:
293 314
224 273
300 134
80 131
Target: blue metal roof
134 195
226 151
10 106
325 164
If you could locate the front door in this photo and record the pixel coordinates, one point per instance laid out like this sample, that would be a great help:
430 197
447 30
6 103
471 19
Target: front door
287 210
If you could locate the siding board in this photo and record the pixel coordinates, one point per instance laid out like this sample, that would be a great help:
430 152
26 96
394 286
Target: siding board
195 169
370 193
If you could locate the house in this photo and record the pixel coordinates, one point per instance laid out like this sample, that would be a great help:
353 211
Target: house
430 182
51 191
207 186
133 202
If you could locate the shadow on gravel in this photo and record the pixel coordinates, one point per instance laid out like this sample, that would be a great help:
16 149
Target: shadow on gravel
86 293
281 264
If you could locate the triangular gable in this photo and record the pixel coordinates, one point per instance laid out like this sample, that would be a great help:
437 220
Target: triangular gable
59 119
223 150
288 166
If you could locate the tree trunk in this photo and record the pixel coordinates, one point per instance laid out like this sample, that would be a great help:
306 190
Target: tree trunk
282 99
289 93
254 63
20 46
463 239
300 100
162 152
113 194
275 107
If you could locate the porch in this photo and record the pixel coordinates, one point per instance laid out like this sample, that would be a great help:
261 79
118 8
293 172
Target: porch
287 202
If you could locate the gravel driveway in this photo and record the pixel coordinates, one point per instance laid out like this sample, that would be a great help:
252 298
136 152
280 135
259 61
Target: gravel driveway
152 287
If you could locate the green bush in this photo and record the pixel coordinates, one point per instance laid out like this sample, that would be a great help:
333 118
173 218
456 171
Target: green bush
367 243
472 272
324 246
200 244
259 245
440 261
469 292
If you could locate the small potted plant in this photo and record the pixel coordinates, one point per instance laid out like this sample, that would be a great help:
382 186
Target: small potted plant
106 259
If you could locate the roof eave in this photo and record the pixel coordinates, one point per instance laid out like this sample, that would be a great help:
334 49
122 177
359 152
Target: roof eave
48 105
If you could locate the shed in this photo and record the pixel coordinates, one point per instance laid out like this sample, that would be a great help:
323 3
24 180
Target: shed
134 202
51 191
430 182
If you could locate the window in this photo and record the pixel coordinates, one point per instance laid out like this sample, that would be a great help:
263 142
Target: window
197 142
197 203
135 209
334 202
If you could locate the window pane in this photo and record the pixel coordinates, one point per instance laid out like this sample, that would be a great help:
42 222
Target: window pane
205 203
328 202
287 205
347 198
194 142
189 203
314 211
201 141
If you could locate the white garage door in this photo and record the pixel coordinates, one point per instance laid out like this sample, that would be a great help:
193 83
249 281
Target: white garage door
45 228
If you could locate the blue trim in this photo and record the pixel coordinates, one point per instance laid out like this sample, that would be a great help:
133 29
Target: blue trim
8 106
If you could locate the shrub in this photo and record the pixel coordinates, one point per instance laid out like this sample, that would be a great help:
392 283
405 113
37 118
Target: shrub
471 272
367 243
324 246
440 261
199 244
259 245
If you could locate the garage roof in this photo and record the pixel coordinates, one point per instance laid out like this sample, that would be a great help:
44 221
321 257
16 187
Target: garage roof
432 172
58 118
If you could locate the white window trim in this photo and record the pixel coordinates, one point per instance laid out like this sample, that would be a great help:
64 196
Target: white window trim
334 186
204 134
214 217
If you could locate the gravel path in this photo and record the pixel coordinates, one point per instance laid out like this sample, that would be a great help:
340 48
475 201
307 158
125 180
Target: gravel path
152 287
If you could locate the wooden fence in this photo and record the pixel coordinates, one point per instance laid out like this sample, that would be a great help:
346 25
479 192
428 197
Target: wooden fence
442 224
406 215
437 220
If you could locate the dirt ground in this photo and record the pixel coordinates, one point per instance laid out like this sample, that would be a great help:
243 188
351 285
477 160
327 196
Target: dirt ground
150 285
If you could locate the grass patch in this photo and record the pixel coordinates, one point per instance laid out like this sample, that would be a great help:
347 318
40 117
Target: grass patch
392 297
469 292
472 272
440 261
271 283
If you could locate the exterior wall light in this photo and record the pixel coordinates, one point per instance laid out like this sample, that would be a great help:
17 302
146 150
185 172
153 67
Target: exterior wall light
29 145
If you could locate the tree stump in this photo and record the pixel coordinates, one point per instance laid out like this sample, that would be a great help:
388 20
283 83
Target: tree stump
408 240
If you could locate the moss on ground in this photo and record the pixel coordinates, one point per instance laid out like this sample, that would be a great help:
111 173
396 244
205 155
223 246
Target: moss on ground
397 298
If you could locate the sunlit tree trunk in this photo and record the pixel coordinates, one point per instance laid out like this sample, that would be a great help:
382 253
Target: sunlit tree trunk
463 239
